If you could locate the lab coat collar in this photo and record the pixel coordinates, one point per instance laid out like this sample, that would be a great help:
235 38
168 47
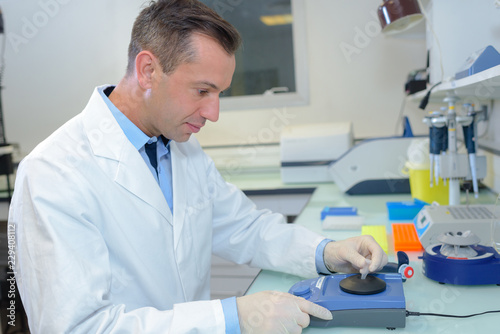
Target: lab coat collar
120 158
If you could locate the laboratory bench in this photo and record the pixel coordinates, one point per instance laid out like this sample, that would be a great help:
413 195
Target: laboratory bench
267 191
421 293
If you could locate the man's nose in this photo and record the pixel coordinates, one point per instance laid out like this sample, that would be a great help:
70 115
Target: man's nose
211 110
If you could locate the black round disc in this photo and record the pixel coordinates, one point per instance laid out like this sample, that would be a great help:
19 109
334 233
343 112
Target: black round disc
357 286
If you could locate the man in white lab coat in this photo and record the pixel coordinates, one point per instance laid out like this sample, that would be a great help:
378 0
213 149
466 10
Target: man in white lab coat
117 213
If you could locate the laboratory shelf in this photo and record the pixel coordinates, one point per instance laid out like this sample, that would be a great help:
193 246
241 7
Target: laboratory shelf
481 86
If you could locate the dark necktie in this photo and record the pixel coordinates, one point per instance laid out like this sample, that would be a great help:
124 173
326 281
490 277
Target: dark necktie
151 152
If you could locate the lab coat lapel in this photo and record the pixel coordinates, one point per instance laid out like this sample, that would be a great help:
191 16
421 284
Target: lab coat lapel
121 160
133 174
179 170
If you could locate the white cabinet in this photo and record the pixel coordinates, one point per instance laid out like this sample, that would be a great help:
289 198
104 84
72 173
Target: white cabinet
228 279
287 202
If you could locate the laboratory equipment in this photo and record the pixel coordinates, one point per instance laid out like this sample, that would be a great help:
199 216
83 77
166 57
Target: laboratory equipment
406 210
434 220
373 166
419 164
308 149
495 232
417 81
460 259
479 61
421 189
379 233
469 129
341 218
382 309
446 161
376 301
438 143
405 237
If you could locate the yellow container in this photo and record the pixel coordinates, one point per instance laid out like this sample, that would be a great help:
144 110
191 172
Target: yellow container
421 189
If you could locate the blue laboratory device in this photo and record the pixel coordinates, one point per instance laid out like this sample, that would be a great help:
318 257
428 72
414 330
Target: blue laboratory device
479 61
482 267
382 306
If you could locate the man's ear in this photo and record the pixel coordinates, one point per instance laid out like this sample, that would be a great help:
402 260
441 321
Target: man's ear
145 66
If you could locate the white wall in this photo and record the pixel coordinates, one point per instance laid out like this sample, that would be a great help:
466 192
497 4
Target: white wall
58 50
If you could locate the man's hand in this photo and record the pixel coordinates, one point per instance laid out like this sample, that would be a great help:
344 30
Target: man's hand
277 312
359 254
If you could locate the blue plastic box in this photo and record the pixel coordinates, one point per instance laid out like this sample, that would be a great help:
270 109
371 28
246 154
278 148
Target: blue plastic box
338 211
404 210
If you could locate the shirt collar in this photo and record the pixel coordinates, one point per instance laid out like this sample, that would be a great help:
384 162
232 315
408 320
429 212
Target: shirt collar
132 132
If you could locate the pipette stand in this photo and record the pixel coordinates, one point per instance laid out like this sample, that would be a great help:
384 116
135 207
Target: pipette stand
446 162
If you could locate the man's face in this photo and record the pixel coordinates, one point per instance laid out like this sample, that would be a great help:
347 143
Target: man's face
179 104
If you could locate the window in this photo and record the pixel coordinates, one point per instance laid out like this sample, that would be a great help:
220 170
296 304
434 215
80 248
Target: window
271 65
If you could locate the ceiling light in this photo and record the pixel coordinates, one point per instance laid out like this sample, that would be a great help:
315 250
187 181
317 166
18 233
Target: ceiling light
276 20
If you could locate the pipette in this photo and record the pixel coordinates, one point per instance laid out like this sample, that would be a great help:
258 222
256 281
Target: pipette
453 179
432 147
470 144
438 142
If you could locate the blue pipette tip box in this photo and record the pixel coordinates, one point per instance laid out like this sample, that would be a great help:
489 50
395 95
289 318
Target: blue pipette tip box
338 211
406 210
341 218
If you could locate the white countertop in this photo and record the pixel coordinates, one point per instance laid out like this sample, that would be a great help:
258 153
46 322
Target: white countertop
421 293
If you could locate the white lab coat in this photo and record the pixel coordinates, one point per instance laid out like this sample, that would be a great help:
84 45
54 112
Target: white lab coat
98 250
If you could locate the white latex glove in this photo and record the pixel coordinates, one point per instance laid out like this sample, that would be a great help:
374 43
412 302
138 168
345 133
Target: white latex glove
359 254
276 312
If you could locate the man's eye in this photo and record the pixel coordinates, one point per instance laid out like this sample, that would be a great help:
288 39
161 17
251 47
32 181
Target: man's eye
202 92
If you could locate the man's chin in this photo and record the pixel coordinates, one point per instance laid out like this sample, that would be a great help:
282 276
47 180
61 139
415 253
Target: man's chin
184 138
